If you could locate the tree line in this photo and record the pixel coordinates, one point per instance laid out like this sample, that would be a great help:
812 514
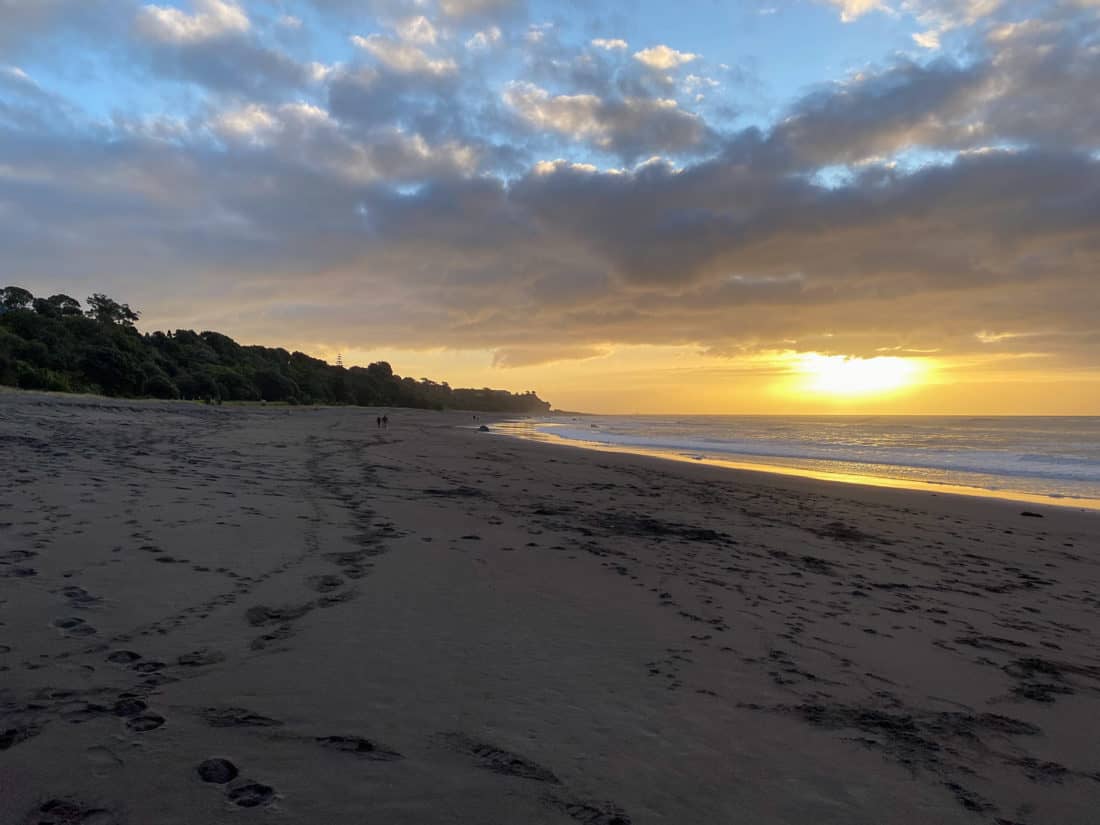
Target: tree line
57 344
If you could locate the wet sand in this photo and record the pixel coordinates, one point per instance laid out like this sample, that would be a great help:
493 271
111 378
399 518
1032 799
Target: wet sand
287 615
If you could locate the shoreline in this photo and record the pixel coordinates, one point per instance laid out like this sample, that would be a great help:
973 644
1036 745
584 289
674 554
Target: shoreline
430 624
866 480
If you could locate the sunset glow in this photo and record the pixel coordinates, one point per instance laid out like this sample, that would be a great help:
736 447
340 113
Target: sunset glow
841 375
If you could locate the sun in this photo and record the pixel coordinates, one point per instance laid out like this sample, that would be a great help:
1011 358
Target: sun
842 375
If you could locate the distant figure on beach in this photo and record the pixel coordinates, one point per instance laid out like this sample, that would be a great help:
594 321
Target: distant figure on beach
385 422
379 420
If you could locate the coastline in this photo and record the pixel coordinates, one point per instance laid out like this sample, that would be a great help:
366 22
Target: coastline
432 624
747 464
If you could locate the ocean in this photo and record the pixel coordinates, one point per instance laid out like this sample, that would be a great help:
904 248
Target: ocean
1052 459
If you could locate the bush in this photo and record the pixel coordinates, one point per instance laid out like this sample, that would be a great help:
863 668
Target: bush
30 377
113 370
161 386
274 386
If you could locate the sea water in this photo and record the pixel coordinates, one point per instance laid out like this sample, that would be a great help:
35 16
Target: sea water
1032 458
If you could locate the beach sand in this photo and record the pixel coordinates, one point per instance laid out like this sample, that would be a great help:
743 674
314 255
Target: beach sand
231 615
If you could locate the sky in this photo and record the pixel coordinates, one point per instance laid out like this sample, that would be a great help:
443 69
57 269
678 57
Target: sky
712 206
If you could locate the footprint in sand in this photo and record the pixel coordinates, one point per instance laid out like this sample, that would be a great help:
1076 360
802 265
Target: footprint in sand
251 795
200 658
145 722
499 760
236 718
595 814
218 771
11 737
359 746
13 556
128 706
102 759
324 584
83 712
78 596
74 626
123 657
68 812
18 573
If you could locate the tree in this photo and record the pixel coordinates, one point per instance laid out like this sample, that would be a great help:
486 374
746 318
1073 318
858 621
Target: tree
15 297
64 304
109 311
57 306
113 370
380 370
49 343
274 386
160 386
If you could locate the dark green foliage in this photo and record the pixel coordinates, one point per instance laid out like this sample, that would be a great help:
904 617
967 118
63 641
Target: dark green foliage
15 297
161 386
108 311
50 344
57 306
274 386
113 369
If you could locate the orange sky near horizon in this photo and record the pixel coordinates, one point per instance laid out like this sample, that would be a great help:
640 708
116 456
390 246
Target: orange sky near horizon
684 380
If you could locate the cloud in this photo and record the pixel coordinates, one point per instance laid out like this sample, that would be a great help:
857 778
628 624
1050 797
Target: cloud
402 57
877 114
629 127
854 9
478 8
482 40
16 77
664 58
545 354
24 104
217 47
726 253
1041 70
1022 90
248 122
234 64
418 29
927 40
212 19
306 135
35 27
441 105
610 45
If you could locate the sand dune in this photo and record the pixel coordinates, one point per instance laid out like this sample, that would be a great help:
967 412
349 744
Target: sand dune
288 615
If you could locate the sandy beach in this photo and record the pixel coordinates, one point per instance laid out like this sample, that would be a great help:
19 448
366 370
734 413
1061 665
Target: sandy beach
244 614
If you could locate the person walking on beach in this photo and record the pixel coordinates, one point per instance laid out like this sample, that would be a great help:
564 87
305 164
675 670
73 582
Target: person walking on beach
379 422
385 422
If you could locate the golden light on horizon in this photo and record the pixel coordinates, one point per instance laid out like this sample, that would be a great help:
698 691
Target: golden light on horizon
851 377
